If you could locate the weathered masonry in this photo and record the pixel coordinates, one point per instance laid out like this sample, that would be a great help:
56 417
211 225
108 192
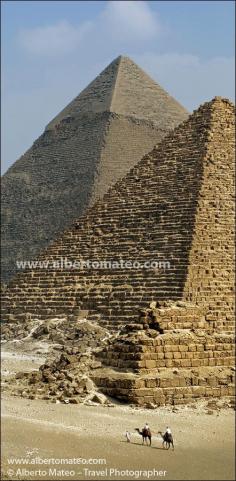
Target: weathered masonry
91 144
176 204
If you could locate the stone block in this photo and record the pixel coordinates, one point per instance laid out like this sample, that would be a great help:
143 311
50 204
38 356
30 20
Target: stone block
151 383
150 364
183 348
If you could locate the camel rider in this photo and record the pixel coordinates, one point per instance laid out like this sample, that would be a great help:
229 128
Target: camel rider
168 432
146 427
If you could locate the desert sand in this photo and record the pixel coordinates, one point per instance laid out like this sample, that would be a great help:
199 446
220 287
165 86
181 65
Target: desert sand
92 438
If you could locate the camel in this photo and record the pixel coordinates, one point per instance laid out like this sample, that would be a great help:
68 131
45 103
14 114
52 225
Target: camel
146 434
167 440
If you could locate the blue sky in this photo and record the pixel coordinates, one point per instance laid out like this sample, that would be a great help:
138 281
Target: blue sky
52 49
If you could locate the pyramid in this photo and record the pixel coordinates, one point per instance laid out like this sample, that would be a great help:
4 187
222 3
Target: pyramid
84 150
175 206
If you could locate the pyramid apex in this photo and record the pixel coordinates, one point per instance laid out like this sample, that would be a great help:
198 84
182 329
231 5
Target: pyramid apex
216 102
125 89
221 100
123 57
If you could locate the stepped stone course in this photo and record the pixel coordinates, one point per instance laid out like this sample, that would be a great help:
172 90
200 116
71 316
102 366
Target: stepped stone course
91 144
151 362
171 355
176 204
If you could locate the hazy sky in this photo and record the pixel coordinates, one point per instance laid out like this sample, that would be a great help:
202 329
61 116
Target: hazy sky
52 49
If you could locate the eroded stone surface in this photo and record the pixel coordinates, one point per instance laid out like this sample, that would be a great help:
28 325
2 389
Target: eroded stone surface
176 325
91 144
176 205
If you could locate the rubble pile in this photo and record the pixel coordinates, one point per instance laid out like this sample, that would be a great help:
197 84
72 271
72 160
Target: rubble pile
65 375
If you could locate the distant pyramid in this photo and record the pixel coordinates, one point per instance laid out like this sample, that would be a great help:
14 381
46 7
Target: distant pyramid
124 88
91 144
175 205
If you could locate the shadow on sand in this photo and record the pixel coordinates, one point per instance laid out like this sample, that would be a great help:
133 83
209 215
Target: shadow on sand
147 445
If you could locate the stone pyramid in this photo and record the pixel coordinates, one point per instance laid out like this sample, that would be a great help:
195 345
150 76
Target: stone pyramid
176 205
91 144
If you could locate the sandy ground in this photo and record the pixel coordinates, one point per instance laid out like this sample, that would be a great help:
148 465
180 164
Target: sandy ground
91 439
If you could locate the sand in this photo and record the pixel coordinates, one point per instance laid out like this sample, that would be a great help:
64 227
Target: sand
93 438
